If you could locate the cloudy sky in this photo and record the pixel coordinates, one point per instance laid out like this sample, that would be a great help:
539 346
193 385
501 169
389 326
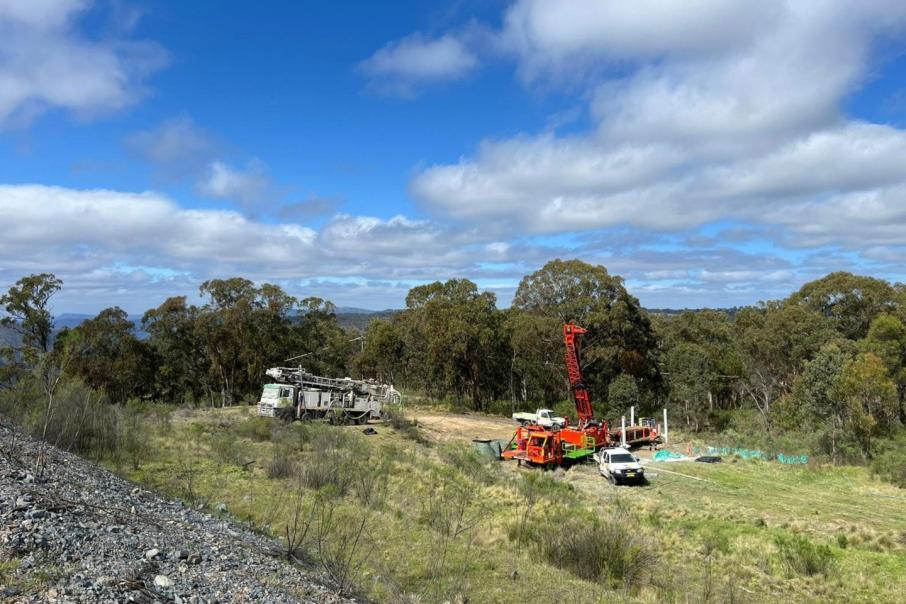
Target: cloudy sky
712 152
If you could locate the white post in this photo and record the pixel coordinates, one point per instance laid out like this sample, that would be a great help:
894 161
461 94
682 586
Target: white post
632 415
666 434
623 431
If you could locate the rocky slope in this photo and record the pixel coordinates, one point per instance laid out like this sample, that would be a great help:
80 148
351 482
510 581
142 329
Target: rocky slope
81 534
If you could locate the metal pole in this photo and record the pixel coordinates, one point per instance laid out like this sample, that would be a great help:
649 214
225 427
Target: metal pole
666 433
632 415
623 431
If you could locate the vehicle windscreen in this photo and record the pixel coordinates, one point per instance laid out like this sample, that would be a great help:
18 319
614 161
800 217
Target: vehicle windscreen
621 458
270 393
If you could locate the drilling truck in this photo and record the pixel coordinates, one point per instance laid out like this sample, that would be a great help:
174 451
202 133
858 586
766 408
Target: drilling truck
298 394
555 445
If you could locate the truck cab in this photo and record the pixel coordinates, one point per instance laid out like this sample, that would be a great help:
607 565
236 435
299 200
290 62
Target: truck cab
620 466
278 400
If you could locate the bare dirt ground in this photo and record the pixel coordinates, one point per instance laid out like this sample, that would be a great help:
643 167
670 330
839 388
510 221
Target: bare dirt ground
450 427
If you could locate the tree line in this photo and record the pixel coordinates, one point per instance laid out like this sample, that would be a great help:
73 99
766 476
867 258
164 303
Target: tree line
826 366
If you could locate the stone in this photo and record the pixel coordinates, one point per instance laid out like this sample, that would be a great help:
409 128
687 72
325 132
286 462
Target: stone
163 581
151 554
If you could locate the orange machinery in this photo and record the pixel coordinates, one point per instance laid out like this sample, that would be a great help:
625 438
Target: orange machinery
543 446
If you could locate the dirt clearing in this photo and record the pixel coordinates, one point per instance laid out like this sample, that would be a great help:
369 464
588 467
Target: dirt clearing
450 427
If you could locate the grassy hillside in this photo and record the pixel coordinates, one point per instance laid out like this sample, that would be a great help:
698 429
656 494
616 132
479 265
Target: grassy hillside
399 518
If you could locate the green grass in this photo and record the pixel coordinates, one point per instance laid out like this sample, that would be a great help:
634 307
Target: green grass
438 523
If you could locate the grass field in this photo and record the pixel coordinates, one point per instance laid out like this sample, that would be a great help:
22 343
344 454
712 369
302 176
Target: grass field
411 515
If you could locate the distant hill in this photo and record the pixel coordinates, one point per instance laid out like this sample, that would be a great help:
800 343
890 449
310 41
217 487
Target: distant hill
669 312
360 318
8 337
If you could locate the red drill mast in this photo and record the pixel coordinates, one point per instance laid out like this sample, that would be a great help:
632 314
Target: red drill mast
576 382
536 444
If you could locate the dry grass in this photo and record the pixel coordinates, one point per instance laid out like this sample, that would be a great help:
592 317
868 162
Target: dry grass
717 541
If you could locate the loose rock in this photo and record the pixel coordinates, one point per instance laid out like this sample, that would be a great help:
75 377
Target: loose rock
82 534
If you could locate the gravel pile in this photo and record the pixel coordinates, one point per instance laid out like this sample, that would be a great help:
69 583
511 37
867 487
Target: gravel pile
81 534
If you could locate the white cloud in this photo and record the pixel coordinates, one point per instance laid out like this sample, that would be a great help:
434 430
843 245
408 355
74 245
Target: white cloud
250 187
46 63
716 110
74 233
134 249
402 65
559 39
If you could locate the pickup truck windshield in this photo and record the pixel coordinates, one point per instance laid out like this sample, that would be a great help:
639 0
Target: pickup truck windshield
621 458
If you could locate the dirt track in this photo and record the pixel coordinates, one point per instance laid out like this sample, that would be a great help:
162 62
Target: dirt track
447 427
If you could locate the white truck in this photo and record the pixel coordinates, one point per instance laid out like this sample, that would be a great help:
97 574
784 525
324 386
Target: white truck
542 417
620 466
297 394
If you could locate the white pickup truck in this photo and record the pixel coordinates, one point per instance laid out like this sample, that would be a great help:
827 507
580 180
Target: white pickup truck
542 417
619 466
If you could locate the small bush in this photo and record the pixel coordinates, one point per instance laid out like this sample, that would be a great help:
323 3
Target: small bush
889 462
469 462
282 463
370 480
321 438
714 541
408 428
800 556
331 471
611 550
134 432
254 428
226 449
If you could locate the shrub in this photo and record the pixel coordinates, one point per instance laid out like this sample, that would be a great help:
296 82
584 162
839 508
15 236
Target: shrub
254 428
331 471
282 463
226 449
469 462
408 428
134 432
889 462
800 556
370 480
611 550
321 438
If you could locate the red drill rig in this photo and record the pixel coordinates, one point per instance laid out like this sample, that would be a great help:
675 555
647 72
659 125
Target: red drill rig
543 446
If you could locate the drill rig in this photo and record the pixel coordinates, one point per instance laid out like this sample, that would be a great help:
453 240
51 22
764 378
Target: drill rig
298 394
551 446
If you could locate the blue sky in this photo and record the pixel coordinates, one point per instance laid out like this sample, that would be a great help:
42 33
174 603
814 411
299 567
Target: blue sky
711 152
